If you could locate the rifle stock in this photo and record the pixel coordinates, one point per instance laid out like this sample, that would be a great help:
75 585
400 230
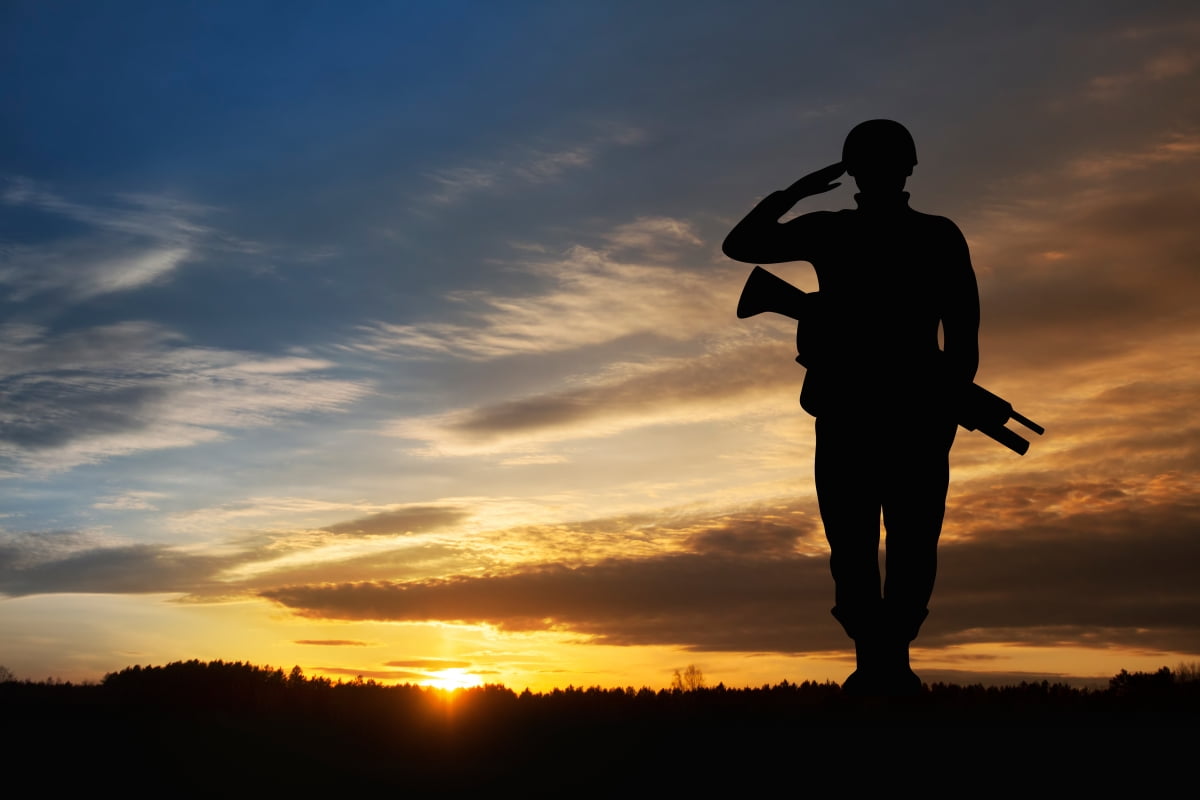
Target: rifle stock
979 409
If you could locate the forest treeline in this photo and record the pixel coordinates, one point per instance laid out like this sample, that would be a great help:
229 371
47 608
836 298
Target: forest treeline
216 721
248 688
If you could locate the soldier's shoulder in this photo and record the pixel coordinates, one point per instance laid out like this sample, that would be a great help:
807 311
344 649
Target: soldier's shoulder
933 219
943 225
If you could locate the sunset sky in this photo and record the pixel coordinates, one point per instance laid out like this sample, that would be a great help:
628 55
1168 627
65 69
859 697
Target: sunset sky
395 339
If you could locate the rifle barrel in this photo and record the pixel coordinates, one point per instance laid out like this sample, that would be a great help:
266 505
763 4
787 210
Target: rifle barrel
1028 423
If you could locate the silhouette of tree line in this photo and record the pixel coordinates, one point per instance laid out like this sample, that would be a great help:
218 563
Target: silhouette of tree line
213 722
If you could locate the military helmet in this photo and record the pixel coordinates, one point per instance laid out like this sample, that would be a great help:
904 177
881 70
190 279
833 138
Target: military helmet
879 143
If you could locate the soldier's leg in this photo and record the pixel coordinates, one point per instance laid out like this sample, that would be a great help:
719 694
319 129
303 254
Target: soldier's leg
914 507
849 499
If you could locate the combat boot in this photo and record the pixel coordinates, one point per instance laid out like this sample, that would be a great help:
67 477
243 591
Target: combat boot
899 629
864 624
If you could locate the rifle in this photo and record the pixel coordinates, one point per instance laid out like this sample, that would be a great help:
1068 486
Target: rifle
979 410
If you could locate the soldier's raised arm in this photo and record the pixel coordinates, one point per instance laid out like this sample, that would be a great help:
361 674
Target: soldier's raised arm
761 238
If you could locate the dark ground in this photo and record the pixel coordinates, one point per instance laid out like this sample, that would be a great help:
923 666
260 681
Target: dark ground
237 730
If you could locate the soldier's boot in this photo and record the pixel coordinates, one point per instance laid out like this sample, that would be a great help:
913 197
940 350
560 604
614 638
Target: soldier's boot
865 626
899 630
868 678
896 676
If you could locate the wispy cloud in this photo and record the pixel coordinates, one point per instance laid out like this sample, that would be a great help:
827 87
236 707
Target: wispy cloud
593 297
523 165
721 383
88 268
128 569
401 521
1091 563
430 663
1166 65
1169 150
318 520
654 236
1092 260
460 181
373 674
126 242
129 501
144 215
89 394
1067 574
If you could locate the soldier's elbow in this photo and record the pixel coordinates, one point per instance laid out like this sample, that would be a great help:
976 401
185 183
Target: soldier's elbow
734 247
753 250
962 359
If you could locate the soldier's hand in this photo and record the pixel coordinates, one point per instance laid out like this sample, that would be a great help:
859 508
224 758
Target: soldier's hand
817 182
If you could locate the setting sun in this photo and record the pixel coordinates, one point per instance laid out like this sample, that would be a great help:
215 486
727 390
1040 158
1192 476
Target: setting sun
451 679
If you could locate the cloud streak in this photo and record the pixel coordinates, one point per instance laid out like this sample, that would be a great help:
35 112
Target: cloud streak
1048 569
523 166
401 521
130 569
718 384
89 394
129 242
594 297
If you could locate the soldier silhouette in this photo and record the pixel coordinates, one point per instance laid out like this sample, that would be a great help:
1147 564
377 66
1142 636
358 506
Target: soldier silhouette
883 395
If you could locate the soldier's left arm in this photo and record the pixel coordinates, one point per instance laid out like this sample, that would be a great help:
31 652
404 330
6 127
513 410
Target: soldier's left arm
960 308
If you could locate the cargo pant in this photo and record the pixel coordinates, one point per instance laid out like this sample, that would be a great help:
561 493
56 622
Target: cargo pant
897 468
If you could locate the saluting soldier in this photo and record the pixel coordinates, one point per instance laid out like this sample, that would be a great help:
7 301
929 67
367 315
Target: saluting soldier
882 394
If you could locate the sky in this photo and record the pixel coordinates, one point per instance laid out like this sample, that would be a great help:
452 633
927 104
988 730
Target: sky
396 340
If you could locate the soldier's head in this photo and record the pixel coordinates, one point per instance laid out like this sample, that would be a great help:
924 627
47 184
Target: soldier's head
880 155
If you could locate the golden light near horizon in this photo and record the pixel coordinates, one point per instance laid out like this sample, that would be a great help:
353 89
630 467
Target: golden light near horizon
451 679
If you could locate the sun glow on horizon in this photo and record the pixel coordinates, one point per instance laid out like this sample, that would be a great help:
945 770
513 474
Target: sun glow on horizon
452 679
